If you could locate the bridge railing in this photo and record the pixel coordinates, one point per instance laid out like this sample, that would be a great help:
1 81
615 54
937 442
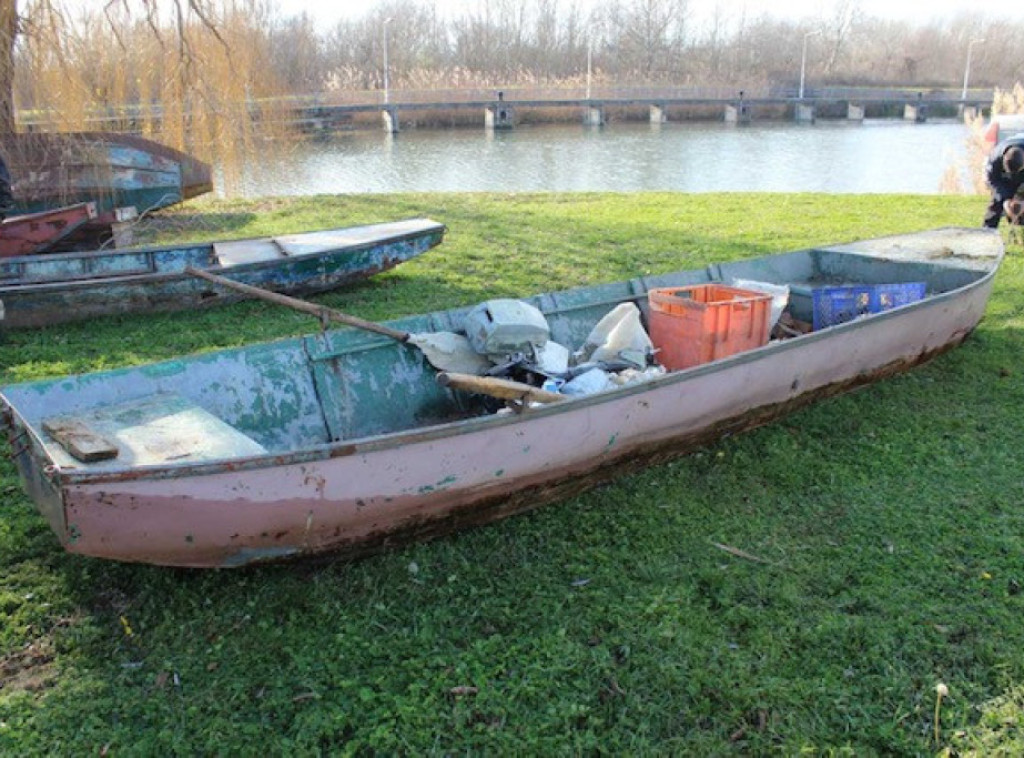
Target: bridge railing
534 93
623 93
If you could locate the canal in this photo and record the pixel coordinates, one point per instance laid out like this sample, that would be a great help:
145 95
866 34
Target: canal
880 156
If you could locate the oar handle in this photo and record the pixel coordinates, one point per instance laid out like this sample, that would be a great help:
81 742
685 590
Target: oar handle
503 389
320 311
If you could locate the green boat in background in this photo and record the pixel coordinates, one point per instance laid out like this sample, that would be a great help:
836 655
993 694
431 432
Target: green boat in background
39 290
114 171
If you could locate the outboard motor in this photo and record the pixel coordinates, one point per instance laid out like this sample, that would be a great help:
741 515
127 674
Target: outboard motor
502 327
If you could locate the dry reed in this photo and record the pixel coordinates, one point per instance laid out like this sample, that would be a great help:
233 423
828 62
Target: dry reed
967 176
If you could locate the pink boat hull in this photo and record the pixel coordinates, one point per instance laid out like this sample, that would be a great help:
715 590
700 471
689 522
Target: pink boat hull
367 498
369 494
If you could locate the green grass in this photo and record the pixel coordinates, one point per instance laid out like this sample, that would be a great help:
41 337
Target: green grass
891 521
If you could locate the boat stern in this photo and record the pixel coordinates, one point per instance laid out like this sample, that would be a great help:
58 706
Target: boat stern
36 471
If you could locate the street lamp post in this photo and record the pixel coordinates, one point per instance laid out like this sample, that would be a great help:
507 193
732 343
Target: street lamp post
803 60
967 68
386 71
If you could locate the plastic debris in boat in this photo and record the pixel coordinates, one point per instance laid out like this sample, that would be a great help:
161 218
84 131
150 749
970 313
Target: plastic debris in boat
514 338
589 382
779 293
619 336
552 359
630 376
450 351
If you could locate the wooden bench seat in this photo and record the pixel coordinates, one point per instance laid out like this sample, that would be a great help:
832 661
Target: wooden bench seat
156 429
246 251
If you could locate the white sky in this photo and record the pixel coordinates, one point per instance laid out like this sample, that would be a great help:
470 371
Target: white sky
329 11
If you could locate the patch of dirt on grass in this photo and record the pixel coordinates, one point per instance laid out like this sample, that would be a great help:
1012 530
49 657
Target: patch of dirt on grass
30 669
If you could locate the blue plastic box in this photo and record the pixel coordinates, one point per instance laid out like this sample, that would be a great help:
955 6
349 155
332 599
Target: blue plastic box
837 305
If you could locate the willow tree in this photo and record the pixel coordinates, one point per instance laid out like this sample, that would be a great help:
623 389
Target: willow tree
8 34
187 73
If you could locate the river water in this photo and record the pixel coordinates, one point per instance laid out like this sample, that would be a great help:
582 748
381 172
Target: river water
874 156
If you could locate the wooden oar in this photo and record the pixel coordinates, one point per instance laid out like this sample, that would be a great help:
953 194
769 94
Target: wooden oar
320 311
445 351
503 389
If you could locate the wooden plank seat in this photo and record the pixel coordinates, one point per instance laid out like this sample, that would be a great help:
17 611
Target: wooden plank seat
156 429
247 251
315 243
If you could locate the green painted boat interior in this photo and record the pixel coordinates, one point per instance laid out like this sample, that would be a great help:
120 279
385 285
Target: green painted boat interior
346 384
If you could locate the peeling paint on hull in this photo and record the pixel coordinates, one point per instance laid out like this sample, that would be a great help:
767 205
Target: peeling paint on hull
39 291
368 494
109 169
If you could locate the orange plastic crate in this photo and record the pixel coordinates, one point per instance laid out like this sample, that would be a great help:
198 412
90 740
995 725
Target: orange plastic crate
694 325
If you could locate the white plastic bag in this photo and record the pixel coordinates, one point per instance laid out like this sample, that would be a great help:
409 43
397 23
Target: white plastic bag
617 336
552 358
587 383
779 293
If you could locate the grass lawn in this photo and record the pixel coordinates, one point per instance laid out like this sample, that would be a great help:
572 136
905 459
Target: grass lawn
890 522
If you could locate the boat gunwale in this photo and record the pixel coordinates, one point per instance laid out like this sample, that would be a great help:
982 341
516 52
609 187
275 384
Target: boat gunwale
66 477
29 285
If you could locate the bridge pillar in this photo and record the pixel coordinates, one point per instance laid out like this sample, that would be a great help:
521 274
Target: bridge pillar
804 113
916 112
593 115
737 114
969 112
501 115
854 112
390 118
658 114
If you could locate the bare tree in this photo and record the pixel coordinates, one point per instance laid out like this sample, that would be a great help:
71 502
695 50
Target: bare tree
652 33
44 16
838 24
8 34
715 41
297 54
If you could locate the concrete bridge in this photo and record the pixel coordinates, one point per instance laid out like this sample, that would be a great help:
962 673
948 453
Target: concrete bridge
503 109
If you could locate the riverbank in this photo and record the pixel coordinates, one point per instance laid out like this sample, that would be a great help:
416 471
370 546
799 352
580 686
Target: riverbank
889 519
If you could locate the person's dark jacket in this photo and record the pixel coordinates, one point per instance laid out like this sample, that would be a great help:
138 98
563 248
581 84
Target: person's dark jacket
6 198
1003 185
5 184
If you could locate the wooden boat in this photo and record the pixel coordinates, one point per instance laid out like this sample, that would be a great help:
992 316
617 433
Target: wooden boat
344 440
39 290
108 169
